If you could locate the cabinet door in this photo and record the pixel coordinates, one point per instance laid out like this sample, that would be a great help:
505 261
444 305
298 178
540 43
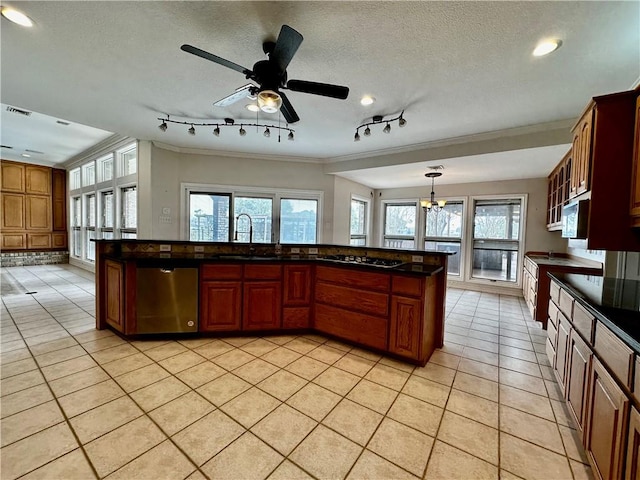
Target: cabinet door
606 417
12 211
220 306
560 366
635 177
578 377
406 318
12 178
59 199
297 285
632 471
581 149
261 305
37 180
115 294
37 212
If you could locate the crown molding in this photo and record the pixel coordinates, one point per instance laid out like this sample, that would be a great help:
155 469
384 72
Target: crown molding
111 143
224 153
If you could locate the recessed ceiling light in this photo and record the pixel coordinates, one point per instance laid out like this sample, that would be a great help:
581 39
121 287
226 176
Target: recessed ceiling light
546 47
252 107
16 17
367 100
26 155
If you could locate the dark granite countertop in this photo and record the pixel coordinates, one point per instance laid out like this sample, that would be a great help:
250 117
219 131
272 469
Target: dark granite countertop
156 259
613 301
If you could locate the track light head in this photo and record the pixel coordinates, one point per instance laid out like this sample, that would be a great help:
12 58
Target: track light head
267 132
356 137
401 121
192 130
163 126
216 131
367 132
290 136
242 131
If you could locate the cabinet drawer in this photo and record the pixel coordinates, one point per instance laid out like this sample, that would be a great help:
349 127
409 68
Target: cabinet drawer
614 353
554 292
553 313
218 271
262 272
566 303
296 317
357 327
408 286
353 299
583 322
347 276
552 334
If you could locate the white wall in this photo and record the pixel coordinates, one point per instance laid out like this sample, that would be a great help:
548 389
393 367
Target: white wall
168 169
344 189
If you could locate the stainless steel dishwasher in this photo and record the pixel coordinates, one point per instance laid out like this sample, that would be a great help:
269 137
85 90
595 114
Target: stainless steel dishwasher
167 299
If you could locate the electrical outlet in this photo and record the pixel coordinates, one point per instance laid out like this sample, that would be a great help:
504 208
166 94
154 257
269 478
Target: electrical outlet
417 258
198 248
165 248
295 250
166 211
313 251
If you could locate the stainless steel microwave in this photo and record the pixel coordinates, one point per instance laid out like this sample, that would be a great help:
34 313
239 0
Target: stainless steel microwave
575 219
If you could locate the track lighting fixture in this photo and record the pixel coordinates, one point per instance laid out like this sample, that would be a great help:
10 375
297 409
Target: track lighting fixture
227 122
379 119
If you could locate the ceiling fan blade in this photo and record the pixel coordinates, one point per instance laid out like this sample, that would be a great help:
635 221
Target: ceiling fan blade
325 89
216 59
242 92
286 46
287 110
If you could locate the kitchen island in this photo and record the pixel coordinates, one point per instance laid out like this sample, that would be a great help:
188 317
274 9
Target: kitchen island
387 300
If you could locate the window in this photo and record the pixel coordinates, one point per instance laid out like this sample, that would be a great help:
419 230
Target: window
209 217
443 233
128 161
496 238
129 212
298 220
89 174
289 217
400 225
90 230
105 168
358 222
261 212
76 226
74 179
107 214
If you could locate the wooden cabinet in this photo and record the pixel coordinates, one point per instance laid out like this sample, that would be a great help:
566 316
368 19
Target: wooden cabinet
581 148
578 368
562 347
606 422
635 176
115 295
33 207
261 305
220 305
296 297
12 179
404 337
632 471
220 297
530 287
559 185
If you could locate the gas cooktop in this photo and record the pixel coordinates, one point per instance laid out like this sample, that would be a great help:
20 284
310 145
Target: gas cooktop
374 261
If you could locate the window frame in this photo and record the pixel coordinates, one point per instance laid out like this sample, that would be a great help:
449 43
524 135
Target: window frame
366 236
383 217
461 240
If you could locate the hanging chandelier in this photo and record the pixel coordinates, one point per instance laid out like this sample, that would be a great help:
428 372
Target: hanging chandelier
433 205
227 122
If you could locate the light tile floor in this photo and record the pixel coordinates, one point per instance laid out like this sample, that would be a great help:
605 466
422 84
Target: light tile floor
78 403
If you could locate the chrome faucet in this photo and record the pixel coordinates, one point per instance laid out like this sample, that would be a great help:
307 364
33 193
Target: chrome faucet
250 232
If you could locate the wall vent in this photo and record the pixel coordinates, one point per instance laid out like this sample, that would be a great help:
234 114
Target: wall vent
61 122
6 146
34 151
18 111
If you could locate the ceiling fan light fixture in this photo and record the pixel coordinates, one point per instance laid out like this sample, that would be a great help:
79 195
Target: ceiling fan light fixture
269 101
16 16
546 47
192 130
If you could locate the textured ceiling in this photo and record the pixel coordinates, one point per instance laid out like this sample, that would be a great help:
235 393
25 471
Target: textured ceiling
458 69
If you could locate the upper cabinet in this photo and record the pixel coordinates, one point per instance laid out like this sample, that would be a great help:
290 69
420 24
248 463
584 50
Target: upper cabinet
635 177
38 180
558 194
581 148
12 179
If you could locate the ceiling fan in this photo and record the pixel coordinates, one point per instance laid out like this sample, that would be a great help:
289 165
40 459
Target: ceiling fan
271 76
